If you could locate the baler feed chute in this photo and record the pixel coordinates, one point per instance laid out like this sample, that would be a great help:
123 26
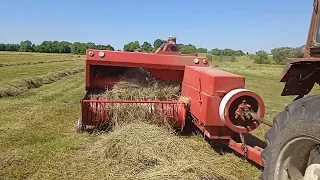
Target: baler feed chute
102 112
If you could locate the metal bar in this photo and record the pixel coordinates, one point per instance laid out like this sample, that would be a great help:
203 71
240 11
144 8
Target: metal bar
254 116
253 153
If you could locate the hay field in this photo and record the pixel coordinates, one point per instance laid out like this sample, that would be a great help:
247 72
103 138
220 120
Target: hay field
38 138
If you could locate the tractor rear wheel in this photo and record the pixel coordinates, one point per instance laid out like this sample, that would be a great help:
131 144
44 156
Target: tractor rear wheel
293 143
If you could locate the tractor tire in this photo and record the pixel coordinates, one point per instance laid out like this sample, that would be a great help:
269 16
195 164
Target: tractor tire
293 142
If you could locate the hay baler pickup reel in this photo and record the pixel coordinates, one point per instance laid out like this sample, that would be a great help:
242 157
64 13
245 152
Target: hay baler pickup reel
218 104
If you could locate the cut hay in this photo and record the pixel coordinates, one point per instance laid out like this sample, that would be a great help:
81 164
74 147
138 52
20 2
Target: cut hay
138 84
144 151
17 87
35 62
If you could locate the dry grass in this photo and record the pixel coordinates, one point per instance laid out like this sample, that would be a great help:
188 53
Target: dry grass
17 87
141 150
35 62
139 84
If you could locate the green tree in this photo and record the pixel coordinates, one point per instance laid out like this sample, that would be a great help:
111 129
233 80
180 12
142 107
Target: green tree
25 46
132 46
12 47
187 49
202 50
45 47
90 45
261 57
216 52
146 47
2 47
64 47
227 52
158 42
78 48
281 54
104 47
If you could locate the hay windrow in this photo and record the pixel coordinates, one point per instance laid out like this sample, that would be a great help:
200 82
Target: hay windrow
35 62
144 151
17 87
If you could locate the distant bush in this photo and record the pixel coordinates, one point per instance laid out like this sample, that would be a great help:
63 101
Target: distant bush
281 54
261 57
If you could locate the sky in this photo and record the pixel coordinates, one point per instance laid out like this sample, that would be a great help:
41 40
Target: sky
248 25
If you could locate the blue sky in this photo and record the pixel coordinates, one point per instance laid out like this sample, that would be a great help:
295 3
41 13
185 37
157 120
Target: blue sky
249 25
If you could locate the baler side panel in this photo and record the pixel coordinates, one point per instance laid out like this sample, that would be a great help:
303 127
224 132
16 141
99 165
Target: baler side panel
212 81
204 106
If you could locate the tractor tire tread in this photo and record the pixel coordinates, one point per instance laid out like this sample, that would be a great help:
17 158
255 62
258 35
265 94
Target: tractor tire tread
304 110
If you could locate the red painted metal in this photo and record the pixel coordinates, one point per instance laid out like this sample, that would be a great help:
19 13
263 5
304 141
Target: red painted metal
230 115
98 111
212 81
253 153
103 71
203 106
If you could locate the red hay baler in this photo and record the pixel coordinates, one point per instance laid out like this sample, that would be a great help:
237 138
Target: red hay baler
219 105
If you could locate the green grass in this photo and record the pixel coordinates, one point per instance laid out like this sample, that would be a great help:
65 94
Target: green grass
38 138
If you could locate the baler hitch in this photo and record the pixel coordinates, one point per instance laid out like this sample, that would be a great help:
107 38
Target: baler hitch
245 112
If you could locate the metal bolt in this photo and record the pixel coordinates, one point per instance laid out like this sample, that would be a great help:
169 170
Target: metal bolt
91 53
101 54
205 61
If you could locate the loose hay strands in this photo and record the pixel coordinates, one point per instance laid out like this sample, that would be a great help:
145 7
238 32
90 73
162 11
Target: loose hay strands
19 86
144 151
138 84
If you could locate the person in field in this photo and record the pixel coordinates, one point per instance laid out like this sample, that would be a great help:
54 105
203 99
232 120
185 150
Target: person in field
172 45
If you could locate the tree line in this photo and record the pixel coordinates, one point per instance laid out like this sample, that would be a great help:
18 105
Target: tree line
278 55
80 48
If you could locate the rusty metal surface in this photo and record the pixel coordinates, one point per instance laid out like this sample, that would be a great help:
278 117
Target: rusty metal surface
311 41
300 77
